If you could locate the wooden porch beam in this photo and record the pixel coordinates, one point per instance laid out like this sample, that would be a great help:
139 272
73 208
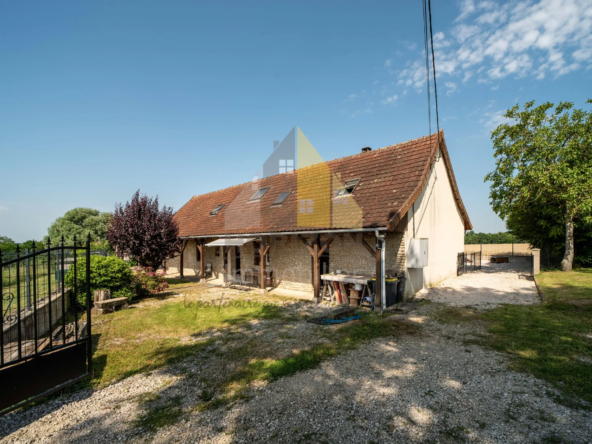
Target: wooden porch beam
327 243
306 244
199 245
263 249
181 265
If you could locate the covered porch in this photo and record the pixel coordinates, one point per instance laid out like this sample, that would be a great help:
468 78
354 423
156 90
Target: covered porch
292 264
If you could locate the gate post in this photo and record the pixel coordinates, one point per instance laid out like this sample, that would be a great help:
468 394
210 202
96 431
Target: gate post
88 324
536 261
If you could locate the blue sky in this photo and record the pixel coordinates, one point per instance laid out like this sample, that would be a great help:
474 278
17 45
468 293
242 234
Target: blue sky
98 99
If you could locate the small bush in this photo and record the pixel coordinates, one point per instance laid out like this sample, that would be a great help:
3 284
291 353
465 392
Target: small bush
147 281
125 292
109 272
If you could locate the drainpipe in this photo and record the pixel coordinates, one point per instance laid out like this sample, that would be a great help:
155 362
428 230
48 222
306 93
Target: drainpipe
382 239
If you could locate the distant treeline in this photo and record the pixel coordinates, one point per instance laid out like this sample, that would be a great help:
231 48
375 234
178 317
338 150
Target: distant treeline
472 238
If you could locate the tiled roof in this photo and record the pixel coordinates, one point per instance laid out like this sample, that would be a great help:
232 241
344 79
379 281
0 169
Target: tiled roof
391 180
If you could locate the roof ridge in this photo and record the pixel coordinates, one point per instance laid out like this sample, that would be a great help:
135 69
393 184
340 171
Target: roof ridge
309 166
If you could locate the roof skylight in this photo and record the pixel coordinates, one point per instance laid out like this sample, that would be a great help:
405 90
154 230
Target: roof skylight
259 194
348 187
281 198
216 210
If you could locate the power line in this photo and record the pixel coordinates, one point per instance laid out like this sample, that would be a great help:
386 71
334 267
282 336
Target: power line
426 50
434 68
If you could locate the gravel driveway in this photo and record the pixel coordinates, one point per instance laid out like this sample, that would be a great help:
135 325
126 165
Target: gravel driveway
425 387
493 285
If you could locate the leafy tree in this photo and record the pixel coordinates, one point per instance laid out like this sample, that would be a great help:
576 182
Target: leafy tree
79 222
7 244
490 238
544 160
533 224
141 230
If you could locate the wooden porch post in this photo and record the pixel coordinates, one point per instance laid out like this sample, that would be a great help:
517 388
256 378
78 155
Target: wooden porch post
317 269
183 245
263 249
202 264
316 251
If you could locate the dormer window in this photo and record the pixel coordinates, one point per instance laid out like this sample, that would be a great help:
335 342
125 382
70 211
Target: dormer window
216 210
281 198
259 194
348 188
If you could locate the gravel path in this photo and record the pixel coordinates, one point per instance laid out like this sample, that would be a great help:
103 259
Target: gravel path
423 387
492 286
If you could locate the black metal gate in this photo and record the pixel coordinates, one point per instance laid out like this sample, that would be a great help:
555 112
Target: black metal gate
45 343
467 262
460 264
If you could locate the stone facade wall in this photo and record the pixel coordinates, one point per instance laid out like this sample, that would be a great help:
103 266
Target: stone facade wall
191 266
292 263
350 256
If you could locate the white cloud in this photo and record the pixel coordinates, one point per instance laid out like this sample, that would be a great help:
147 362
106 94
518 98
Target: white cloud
495 88
491 120
361 111
388 62
390 100
467 7
451 88
375 82
351 97
519 38
3 208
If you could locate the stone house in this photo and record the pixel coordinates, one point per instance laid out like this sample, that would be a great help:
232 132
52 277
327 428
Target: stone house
393 211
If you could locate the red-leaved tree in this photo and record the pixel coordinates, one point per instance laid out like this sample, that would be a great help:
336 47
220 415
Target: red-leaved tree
142 230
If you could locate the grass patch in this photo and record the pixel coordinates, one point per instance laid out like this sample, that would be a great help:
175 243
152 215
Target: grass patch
551 341
148 337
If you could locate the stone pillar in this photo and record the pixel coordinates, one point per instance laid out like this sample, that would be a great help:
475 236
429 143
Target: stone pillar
536 261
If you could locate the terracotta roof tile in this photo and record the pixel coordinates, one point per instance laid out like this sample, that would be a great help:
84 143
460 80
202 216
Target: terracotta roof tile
391 180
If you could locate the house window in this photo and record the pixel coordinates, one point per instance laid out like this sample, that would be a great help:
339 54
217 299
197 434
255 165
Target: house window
286 165
216 210
281 198
259 194
306 206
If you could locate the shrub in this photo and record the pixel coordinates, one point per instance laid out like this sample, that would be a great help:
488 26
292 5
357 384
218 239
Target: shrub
126 292
147 281
108 272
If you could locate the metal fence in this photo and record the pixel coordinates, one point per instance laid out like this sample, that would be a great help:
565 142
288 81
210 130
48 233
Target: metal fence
466 262
45 340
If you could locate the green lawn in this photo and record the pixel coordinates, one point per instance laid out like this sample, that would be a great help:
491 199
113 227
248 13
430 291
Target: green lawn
149 336
552 341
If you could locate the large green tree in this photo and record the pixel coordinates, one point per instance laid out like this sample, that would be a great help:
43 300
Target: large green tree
7 244
79 222
544 160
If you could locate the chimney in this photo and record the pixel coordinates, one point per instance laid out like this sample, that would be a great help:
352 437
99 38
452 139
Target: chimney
366 149
275 144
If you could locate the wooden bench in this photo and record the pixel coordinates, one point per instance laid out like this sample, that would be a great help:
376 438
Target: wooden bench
109 305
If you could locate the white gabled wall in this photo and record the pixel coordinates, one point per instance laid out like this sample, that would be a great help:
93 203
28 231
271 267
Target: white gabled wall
435 216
